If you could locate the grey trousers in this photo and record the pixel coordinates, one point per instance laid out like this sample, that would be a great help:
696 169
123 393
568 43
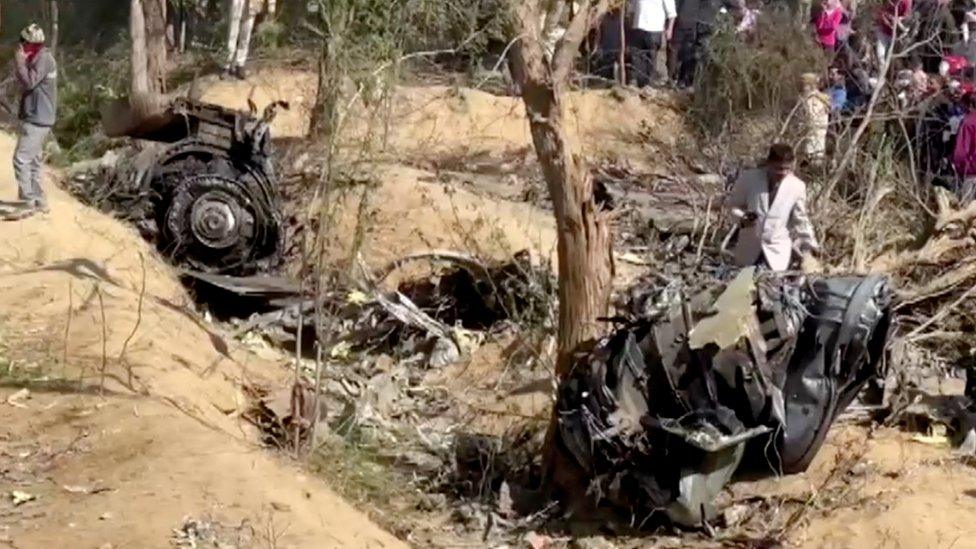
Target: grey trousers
242 17
29 161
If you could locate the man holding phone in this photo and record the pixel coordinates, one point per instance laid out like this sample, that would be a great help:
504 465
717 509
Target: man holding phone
770 204
37 74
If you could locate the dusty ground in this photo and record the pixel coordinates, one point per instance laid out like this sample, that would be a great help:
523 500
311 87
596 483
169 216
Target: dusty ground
898 493
455 168
170 449
129 464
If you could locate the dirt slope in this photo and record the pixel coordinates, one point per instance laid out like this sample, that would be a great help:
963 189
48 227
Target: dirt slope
898 492
176 449
168 450
449 155
431 120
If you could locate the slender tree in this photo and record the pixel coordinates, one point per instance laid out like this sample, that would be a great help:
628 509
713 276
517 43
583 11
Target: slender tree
138 58
147 29
583 229
55 24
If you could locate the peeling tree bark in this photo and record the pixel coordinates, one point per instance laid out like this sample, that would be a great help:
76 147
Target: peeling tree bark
583 230
137 32
147 29
155 18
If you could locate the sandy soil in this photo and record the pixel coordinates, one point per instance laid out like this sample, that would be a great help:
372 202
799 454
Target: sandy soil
899 493
450 154
437 120
169 448
128 467
905 494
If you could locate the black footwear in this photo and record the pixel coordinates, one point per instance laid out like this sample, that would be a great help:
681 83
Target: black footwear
39 205
239 72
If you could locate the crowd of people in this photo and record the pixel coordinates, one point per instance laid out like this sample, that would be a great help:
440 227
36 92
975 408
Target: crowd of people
921 51
639 32
916 59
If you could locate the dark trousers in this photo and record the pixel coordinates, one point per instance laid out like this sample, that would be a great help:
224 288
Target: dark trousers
644 47
692 52
604 62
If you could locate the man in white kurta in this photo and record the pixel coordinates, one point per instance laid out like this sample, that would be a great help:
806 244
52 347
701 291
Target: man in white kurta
770 204
243 14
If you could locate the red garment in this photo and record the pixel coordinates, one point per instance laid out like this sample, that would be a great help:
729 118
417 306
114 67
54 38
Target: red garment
954 64
964 155
32 51
891 11
827 25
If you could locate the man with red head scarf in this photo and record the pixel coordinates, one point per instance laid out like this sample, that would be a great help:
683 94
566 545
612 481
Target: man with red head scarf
37 74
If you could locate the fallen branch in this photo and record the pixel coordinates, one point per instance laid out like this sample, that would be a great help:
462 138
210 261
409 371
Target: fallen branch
465 260
943 312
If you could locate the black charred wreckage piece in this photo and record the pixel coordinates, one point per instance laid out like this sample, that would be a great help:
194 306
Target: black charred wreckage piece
208 197
659 415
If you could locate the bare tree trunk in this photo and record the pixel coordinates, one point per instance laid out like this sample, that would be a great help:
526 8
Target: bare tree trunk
582 229
182 17
623 49
583 233
55 25
171 25
155 18
140 65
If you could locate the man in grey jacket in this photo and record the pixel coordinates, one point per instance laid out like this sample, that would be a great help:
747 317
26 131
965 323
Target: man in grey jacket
37 73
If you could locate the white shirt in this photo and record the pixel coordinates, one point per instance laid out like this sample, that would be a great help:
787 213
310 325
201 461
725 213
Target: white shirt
771 235
651 15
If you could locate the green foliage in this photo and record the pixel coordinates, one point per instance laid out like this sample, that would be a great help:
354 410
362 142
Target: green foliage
382 29
93 24
471 24
86 81
270 36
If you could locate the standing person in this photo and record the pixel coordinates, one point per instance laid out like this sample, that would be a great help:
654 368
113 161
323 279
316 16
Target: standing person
890 22
964 153
243 15
837 92
607 60
37 73
816 119
770 204
827 23
653 24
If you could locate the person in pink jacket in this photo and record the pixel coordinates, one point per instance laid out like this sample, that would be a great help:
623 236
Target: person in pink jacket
827 23
964 154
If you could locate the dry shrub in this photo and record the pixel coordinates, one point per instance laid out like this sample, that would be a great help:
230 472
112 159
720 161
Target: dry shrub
757 73
875 214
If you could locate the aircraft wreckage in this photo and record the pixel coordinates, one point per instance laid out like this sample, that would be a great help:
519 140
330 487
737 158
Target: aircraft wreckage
659 415
655 418
206 194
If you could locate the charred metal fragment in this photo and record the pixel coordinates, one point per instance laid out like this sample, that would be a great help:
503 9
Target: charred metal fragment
658 416
206 195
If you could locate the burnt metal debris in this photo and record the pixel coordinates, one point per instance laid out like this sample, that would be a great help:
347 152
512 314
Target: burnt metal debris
659 416
207 195
423 316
